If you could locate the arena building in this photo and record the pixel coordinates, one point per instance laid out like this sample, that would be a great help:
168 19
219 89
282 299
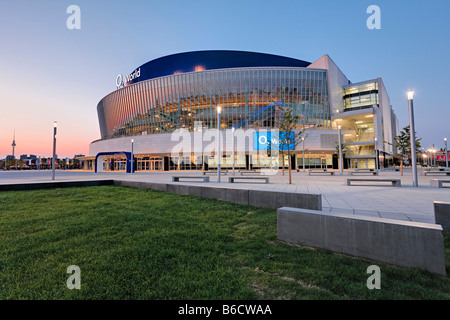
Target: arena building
140 121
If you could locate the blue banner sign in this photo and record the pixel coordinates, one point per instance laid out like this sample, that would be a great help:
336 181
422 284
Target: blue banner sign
270 140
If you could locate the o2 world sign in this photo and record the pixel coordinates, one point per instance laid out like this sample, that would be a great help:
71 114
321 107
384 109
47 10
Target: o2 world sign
270 140
128 78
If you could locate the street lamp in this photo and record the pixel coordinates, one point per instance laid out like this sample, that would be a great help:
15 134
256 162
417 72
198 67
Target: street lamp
376 154
232 131
55 126
446 156
413 137
219 110
303 146
340 149
434 156
132 155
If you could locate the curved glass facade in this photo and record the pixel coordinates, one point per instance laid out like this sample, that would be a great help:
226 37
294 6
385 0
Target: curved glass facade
249 97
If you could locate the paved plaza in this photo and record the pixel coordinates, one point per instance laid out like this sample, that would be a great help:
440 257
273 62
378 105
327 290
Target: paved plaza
402 203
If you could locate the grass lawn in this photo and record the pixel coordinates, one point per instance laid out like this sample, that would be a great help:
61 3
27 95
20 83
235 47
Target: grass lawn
143 244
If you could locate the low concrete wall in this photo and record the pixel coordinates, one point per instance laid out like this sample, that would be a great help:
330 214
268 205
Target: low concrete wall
55 184
257 198
442 214
401 243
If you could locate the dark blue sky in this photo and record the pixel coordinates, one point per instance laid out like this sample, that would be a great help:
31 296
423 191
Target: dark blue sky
49 72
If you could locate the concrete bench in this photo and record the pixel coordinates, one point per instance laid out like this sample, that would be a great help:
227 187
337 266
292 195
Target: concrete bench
394 182
373 173
248 172
437 173
438 183
396 242
231 179
321 172
442 214
177 178
365 169
224 172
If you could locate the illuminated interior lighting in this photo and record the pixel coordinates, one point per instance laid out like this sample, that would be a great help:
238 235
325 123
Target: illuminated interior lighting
369 116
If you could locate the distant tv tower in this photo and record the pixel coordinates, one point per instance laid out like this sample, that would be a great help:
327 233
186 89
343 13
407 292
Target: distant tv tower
14 142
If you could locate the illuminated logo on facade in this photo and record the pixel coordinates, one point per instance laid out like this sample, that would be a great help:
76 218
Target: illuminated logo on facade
128 78
272 140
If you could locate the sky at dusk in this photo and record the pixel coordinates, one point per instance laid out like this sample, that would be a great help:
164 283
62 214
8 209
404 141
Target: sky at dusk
51 73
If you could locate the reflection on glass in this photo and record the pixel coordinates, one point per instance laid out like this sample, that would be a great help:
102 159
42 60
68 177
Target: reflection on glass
187 100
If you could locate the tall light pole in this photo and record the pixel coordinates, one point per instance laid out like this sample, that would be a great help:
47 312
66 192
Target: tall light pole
303 147
446 156
434 156
413 137
232 131
55 126
219 110
376 154
340 149
132 155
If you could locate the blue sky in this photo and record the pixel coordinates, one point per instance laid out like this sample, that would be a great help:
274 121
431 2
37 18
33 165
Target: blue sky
48 72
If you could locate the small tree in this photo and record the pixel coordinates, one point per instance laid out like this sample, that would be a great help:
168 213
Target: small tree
344 149
288 139
403 145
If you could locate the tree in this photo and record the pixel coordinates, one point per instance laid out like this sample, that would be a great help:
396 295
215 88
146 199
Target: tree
288 138
403 145
344 149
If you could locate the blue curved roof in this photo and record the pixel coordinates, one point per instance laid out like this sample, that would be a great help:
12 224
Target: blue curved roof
209 60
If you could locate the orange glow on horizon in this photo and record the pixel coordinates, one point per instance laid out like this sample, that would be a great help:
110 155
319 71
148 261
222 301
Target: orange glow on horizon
65 146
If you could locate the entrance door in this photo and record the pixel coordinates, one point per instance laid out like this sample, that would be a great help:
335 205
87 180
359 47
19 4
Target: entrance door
362 164
323 163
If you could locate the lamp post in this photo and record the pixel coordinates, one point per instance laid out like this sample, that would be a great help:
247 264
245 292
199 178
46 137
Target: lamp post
132 155
232 131
446 156
376 154
55 125
303 146
39 163
219 110
413 137
434 156
340 149
430 157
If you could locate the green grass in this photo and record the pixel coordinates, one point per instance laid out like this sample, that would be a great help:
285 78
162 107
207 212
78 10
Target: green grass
144 244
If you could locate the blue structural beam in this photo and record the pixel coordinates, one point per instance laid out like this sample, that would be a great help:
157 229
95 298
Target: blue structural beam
126 154
276 103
